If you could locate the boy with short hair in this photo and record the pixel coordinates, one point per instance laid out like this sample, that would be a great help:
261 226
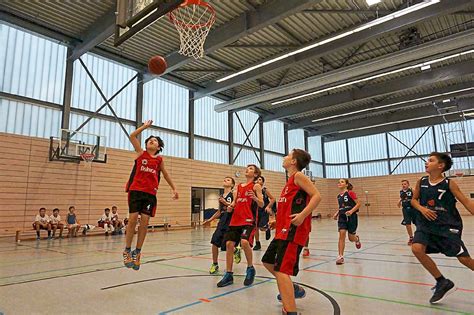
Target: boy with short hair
297 201
105 221
247 198
56 223
224 217
42 222
439 224
406 194
116 222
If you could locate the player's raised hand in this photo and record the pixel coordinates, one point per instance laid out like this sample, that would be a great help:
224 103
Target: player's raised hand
147 124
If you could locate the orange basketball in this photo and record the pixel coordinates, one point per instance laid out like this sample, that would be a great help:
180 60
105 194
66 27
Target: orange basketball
157 65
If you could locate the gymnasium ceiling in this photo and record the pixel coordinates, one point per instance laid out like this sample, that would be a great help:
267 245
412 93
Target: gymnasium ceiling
249 32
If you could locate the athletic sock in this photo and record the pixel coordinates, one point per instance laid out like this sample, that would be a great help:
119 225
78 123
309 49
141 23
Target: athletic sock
49 233
441 278
138 250
128 249
38 233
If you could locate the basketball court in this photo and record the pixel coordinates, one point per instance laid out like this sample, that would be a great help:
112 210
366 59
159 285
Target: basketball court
368 87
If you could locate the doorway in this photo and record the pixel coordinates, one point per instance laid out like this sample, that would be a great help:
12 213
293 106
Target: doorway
204 203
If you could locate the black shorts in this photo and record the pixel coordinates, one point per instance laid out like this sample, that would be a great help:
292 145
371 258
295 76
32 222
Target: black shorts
449 244
217 238
408 216
284 255
141 202
262 219
348 223
237 233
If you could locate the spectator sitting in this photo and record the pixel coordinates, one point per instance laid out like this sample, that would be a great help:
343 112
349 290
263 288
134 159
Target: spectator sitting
73 224
42 222
117 223
55 221
106 221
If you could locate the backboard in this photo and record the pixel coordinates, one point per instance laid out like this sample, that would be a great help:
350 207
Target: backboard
135 15
70 144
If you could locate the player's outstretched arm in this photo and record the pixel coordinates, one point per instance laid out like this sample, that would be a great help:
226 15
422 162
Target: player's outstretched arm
169 180
134 139
468 204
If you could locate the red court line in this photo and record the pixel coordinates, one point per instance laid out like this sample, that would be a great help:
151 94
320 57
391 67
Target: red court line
380 278
356 276
205 300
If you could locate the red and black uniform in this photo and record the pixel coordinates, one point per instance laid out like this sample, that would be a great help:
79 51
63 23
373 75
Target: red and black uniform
347 201
284 251
143 184
244 217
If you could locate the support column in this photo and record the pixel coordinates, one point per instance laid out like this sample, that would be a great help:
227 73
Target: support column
262 144
306 145
388 154
67 95
323 158
191 126
347 156
139 103
285 138
230 121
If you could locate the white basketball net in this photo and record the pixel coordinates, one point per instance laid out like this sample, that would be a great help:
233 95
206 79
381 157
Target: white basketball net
88 159
193 22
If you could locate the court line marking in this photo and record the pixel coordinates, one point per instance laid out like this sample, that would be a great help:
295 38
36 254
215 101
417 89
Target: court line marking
376 298
351 275
380 278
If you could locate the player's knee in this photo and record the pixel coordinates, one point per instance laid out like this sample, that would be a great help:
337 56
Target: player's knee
229 245
244 243
417 249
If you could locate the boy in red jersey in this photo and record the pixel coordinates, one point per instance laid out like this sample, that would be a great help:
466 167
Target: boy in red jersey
247 199
142 187
297 201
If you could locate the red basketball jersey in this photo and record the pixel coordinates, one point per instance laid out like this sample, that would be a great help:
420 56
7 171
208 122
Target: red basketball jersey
245 210
145 174
292 200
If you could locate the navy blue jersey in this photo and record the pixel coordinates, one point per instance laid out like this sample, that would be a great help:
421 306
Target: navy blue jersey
266 199
405 197
346 201
440 199
225 217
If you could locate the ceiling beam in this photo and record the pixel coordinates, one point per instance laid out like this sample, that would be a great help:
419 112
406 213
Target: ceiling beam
347 11
374 121
432 11
99 31
246 23
411 100
370 91
391 128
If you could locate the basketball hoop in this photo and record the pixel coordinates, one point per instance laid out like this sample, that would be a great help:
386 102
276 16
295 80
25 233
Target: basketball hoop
88 158
193 19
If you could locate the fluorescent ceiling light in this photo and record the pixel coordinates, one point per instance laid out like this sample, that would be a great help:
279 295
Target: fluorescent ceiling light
446 100
424 68
372 2
374 77
393 104
400 121
378 21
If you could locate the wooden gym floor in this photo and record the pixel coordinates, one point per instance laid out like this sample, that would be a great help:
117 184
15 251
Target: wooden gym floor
85 275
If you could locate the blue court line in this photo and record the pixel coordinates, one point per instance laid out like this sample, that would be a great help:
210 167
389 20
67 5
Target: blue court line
210 298
325 262
393 261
